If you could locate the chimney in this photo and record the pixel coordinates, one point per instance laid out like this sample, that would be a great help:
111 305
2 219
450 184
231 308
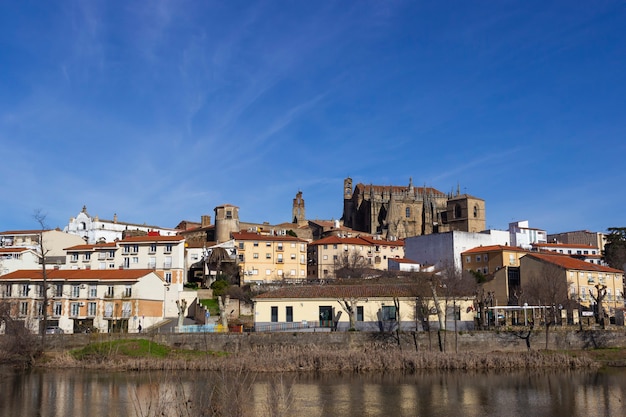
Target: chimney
115 218
206 220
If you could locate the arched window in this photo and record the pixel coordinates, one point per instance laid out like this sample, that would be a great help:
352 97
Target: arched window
408 212
475 211
83 226
457 211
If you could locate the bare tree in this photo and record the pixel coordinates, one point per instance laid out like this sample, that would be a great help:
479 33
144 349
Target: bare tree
350 305
547 288
351 264
599 299
40 218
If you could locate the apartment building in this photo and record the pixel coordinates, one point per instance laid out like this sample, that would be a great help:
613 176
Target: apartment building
83 300
329 254
268 258
584 252
12 259
583 278
54 242
165 255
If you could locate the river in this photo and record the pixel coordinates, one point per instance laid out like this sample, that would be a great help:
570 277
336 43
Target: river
53 393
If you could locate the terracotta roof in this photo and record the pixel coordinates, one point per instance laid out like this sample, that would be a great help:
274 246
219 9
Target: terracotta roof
152 239
78 274
404 261
95 246
494 248
256 236
567 262
23 232
13 250
342 291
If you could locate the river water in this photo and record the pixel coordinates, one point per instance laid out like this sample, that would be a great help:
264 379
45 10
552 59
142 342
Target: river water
520 393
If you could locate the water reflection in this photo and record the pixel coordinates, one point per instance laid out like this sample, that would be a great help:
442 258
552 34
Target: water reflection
83 393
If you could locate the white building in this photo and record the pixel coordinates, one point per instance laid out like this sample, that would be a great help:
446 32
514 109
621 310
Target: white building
444 249
13 259
54 243
523 236
95 230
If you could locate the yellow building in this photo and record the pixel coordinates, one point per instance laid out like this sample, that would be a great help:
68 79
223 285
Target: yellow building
499 264
376 307
331 253
268 258
583 279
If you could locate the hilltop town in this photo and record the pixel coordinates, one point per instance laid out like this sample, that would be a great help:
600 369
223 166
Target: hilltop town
401 257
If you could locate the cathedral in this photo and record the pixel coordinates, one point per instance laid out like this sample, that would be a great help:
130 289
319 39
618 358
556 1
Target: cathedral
397 212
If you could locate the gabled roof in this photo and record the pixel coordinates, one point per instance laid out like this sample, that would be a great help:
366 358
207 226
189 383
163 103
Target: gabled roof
494 248
342 291
78 274
567 262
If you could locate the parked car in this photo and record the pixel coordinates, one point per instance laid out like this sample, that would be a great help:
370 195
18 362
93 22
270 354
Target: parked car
54 330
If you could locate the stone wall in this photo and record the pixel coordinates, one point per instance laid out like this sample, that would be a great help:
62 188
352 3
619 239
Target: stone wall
475 341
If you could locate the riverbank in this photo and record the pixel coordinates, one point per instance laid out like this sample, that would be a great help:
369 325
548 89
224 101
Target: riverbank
143 354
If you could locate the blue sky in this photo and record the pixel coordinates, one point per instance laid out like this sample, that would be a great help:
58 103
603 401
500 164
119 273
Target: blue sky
159 113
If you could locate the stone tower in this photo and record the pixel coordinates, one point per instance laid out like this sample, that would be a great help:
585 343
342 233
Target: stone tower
226 222
466 213
298 214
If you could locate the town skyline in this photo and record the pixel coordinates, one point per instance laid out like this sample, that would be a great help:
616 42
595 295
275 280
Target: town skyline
159 114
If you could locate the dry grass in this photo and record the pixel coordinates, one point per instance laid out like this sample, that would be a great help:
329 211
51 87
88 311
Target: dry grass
322 359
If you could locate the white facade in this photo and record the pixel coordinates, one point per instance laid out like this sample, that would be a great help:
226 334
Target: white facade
444 249
93 229
523 236
13 259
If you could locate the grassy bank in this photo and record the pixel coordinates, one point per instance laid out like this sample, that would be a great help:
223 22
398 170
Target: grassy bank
143 354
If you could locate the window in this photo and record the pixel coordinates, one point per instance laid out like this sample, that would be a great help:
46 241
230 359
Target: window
108 310
407 212
74 309
280 258
457 211
302 259
268 256
39 307
289 314
274 314
75 291
389 313
91 309
57 308
93 291
255 244
241 257
241 245
229 214
280 247
279 272
293 244
293 256
87 256
168 262
152 262
335 246
153 247
126 309
24 290
359 313
74 257
292 272
468 259
128 291
255 256
40 290
325 246
268 272
477 258
135 259
111 254
302 247
325 257
102 265
7 290
24 308
109 292
58 290
168 277
485 258
126 263
168 248
268 244
475 213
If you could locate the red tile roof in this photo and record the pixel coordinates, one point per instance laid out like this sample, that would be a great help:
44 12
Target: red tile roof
78 274
342 291
13 250
494 248
93 246
567 262
23 232
563 245
259 237
132 239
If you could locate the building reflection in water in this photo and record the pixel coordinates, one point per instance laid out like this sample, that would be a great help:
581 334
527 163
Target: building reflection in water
89 393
